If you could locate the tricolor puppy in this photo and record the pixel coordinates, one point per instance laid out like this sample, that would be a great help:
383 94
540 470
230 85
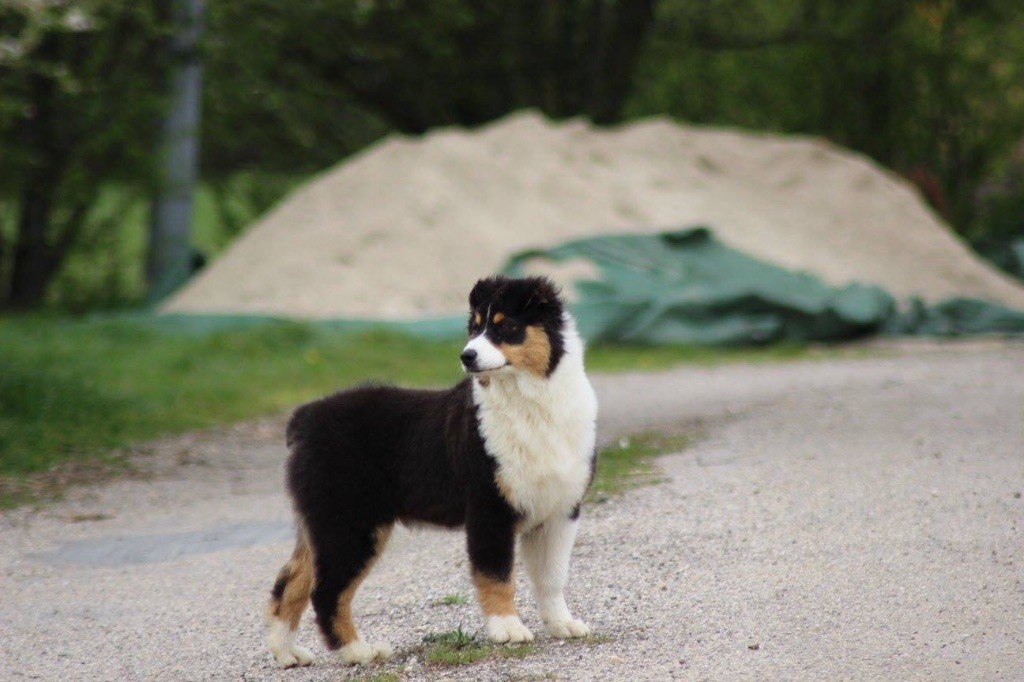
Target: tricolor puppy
506 453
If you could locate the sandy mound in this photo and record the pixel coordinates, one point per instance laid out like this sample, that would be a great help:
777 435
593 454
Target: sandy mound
404 228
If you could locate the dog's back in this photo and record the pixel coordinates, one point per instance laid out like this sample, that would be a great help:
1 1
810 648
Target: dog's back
388 453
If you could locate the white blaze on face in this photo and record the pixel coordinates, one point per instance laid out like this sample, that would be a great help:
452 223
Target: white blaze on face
488 356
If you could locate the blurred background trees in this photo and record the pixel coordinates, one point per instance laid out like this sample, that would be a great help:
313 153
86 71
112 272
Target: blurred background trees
933 89
79 91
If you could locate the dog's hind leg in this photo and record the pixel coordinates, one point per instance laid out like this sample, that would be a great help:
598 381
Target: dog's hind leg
288 599
343 558
546 552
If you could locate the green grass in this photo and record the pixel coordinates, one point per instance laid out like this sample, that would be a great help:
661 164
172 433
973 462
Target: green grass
629 463
461 648
452 600
79 389
638 358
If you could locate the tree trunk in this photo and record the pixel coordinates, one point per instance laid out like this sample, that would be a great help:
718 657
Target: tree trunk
629 28
35 263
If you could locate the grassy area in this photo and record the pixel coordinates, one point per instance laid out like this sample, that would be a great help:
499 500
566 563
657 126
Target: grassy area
74 389
460 648
69 388
634 358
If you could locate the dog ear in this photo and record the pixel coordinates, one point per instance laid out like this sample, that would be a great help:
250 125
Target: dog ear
484 290
536 296
544 294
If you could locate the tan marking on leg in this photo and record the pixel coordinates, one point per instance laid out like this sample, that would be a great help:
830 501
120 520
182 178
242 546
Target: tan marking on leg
533 354
299 572
496 598
498 318
344 626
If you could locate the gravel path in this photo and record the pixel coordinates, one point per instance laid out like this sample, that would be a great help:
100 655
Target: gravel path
850 518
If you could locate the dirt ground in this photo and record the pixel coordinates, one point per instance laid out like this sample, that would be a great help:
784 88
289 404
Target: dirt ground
851 518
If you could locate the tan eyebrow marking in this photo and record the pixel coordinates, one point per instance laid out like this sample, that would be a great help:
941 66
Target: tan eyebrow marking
498 317
477 319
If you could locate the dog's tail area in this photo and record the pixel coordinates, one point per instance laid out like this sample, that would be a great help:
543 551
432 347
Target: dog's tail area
288 600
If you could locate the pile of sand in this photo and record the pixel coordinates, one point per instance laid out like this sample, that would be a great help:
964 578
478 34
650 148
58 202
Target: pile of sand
404 229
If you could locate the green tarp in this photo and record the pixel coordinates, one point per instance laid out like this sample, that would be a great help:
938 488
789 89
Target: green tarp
688 287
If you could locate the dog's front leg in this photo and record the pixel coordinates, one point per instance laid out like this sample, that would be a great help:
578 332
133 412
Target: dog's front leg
546 550
490 532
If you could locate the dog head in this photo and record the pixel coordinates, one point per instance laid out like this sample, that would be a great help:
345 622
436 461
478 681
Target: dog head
514 325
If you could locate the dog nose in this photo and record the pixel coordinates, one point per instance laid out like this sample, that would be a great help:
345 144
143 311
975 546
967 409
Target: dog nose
468 356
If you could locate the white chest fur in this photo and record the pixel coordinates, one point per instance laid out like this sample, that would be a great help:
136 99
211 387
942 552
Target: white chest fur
541 432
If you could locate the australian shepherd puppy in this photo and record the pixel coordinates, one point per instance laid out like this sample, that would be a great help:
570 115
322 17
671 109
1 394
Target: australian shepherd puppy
507 453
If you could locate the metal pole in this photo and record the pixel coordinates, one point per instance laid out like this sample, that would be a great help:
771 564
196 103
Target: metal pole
168 261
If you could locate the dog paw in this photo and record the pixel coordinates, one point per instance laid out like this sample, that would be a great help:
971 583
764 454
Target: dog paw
292 656
565 629
361 653
382 651
510 629
281 641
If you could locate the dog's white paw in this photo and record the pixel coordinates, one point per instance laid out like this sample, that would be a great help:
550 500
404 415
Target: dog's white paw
282 644
293 656
361 653
565 629
503 629
382 651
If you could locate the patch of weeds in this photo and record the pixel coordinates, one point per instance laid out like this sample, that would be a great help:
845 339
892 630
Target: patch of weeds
379 677
451 600
455 647
458 647
628 463
590 640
